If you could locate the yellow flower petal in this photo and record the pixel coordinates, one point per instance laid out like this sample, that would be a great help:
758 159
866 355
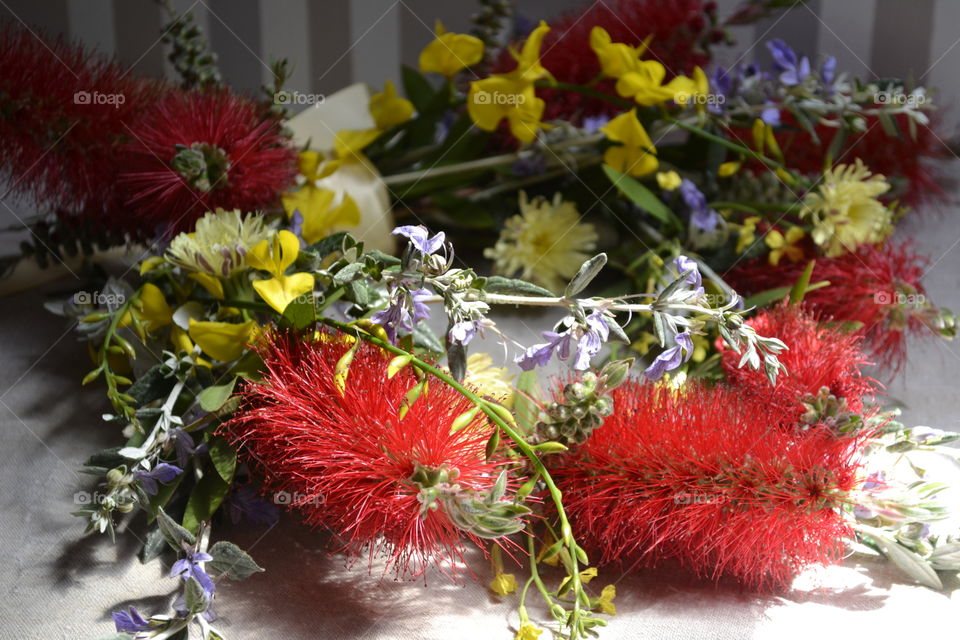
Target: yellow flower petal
588 574
727 169
154 311
280 291
503 584
222 340
151 263
606 600
388 109
450 52
528 62
528 631
211 283
349 143
668 180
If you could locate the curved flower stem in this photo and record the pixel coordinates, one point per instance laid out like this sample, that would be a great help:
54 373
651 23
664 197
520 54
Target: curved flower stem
487 407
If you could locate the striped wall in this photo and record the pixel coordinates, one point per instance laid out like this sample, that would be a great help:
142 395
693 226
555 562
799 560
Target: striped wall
334 42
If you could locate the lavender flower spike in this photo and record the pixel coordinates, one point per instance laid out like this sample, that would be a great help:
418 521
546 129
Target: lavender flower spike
420 238
792 71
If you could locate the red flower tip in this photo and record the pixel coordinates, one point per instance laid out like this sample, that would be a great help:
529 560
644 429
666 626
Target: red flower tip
878 289
352 464
817 356
198 151
700 476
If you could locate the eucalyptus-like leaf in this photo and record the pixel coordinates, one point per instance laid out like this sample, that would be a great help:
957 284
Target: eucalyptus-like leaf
231 561
588 271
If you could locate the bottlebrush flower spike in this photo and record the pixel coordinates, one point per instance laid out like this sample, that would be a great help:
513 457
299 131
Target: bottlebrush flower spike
879 288
817 356
352 465
195 152
700 476
65 112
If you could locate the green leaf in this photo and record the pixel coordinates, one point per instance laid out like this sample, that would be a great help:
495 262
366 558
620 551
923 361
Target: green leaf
512 286
585 275
764 298
212 398
173 533
325 246
425 338
418 89
639 195
224 458
231 561
207 496
194 597
153 546
301 313
162 496
800 287
907 561
156 383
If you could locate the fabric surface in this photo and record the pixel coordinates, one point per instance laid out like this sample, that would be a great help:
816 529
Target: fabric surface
60 584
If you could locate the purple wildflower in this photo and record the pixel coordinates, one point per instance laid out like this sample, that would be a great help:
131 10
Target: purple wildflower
828 70
296 226
592 124
420 238
792 71
702 216
689 266
771 115
398 315
130 621
162 473
588 340
463 332
191 567
532 165
671 358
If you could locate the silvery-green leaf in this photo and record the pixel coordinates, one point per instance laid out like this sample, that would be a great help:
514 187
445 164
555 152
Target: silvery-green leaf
588 271
173 533
946 557
231 561
907 561
512 286
616 331
194 597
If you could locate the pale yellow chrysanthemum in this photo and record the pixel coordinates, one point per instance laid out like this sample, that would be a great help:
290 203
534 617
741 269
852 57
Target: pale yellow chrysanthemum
545 243
490 381
845 211
219 244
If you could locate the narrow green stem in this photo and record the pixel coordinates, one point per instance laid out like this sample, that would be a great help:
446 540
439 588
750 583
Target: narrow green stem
587 91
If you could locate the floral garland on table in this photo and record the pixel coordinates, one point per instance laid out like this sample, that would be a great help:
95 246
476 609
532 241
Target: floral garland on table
265 351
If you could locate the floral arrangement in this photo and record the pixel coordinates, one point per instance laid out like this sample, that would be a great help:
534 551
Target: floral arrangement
266 350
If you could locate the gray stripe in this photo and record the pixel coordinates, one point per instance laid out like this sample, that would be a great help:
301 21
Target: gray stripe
235 36
901 37
798 27
91 22
330 63
137 30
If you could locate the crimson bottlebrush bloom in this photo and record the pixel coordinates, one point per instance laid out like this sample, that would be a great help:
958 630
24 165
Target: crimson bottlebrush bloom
701 476
65 112
680 29
347 461
878 288
817 356
195 152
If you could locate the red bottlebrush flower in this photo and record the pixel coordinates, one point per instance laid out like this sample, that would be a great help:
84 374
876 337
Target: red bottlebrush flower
198 151
64 113
879 288
349 460
701 477
817 356
680 29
